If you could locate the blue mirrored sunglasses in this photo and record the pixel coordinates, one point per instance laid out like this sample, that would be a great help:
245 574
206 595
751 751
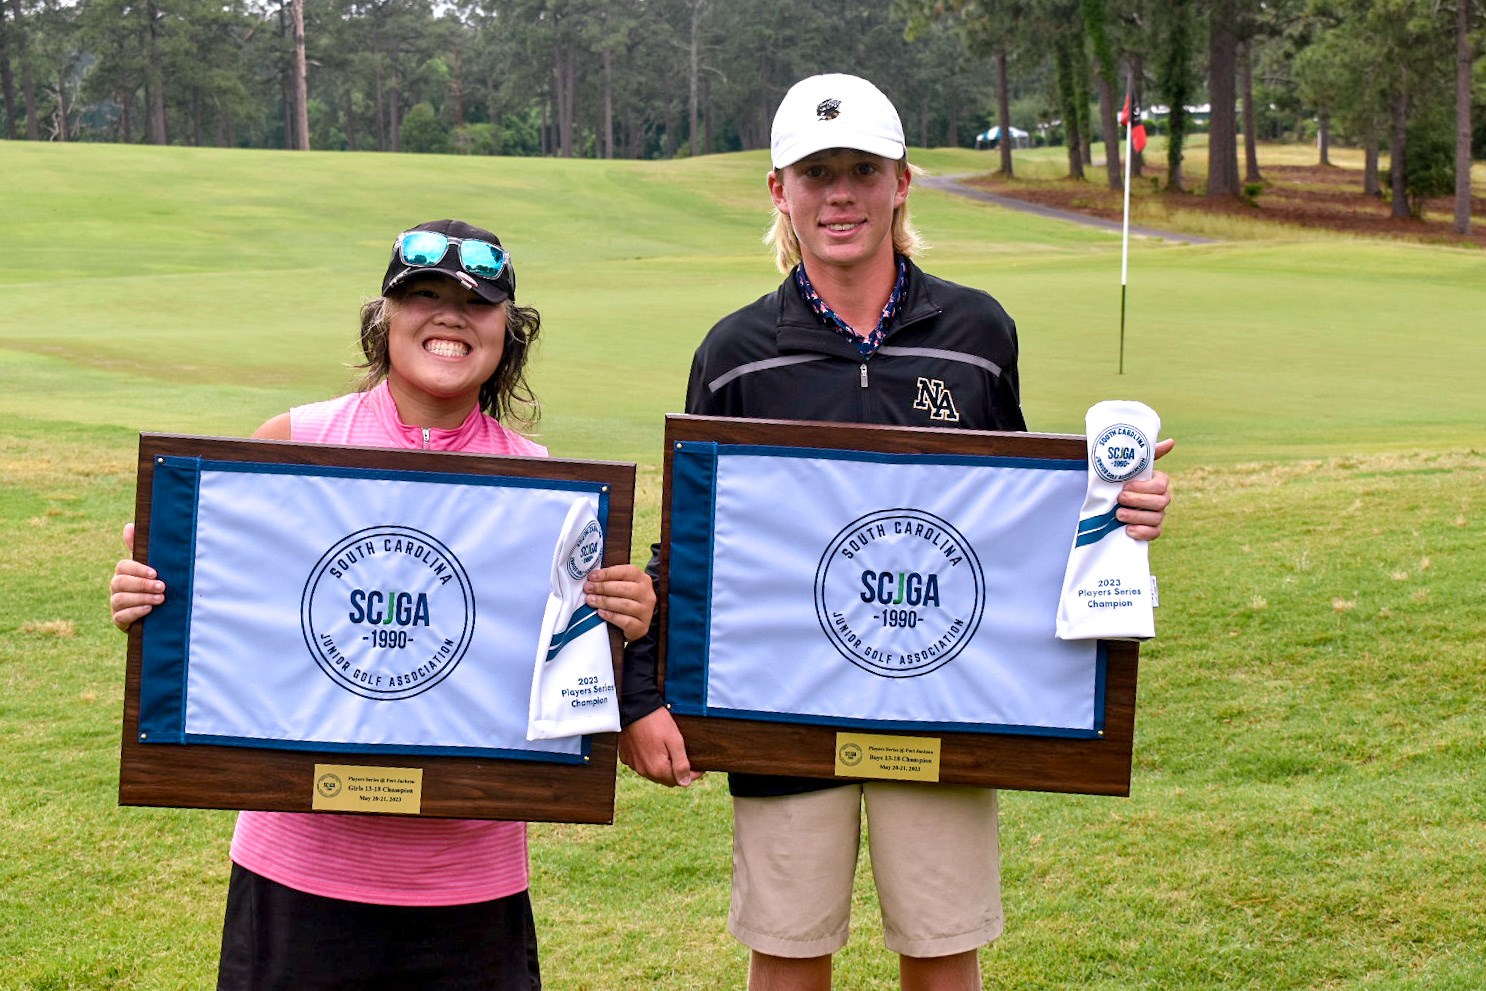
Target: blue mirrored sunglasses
425 249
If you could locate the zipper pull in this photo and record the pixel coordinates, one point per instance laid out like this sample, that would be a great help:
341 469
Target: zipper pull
864 375
426 435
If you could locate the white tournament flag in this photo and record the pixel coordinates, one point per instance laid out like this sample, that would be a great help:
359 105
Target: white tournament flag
354 609
572 685
1108 592
875 590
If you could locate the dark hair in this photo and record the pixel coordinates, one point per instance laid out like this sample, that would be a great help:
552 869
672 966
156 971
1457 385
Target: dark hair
506 395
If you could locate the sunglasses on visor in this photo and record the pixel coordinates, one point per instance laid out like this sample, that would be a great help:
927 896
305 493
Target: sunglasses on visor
425 249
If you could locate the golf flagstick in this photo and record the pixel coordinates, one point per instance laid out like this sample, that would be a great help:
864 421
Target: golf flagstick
1125 234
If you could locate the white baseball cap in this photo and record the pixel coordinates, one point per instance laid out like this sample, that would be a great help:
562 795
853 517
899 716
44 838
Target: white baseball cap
835 111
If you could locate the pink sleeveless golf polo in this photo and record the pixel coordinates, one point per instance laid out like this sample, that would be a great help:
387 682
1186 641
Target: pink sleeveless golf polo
381 859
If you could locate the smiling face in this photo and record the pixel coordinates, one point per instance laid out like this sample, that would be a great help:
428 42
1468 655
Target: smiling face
840 203
443 342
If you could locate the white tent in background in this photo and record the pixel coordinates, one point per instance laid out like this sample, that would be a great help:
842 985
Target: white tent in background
990 138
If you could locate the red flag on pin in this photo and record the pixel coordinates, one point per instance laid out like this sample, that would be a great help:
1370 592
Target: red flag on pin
1136 129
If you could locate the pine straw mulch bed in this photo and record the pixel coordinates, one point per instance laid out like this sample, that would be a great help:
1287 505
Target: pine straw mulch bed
1310 196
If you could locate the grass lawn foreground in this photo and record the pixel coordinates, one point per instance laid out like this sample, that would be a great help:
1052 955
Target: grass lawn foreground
1307 808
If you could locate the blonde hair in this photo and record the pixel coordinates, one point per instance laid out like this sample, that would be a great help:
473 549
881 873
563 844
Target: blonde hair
907 241
506 395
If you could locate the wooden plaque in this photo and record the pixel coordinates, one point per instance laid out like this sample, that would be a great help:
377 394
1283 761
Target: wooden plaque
1091 765
195 775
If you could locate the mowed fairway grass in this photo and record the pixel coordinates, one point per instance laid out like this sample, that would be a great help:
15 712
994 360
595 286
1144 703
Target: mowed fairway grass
1307 808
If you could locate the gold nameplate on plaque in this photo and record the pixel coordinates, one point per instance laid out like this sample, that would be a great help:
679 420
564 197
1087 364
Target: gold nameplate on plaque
354 788
900 758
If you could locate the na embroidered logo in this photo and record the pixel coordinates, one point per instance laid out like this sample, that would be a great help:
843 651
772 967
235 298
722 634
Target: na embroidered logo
828 110
939 401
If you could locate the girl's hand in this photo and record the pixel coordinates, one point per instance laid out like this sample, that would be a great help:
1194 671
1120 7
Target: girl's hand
135 589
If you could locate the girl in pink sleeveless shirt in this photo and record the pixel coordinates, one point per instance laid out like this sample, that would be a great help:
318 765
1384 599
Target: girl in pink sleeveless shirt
338 901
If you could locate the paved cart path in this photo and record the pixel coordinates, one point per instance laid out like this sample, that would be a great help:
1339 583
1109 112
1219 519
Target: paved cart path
952 184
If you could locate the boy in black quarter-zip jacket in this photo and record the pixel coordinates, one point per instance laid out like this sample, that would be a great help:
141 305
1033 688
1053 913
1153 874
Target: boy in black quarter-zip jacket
856 333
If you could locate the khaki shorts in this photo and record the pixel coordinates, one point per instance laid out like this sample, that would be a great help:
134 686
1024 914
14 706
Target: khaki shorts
935 859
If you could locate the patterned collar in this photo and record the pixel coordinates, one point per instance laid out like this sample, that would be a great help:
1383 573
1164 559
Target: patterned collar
866 345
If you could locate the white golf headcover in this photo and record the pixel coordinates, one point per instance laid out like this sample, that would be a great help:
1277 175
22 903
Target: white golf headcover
572 686
1108 591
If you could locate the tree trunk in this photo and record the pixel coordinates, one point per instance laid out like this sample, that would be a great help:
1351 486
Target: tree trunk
1397 142
923 121
7 78
378 108
1250 132
155 84
1174 82
28 84
1371 185
564 75
608 125
695 69
301 82
394 117
350 119
1095 14
558 81
1003 111
1323 137
568 113
286 97
706 117
1067 93
1176 125
1084 98
286 77
493 110
1108 115
63 110
1463 60
456 86
1222 144
224 124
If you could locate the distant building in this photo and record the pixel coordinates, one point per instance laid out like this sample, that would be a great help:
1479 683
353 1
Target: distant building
992 138
1199 113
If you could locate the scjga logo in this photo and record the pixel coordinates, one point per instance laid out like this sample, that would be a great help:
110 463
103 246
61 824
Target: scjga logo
387 612
328 785
899 592
586 552
849 754
1120 452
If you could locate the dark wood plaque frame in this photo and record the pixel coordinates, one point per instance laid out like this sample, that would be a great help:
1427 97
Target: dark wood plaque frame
1096 766
224 777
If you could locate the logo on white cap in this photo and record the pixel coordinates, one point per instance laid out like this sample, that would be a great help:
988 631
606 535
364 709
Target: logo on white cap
862 118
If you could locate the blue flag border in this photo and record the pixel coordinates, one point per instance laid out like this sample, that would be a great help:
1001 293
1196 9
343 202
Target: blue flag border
165 639
693 510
